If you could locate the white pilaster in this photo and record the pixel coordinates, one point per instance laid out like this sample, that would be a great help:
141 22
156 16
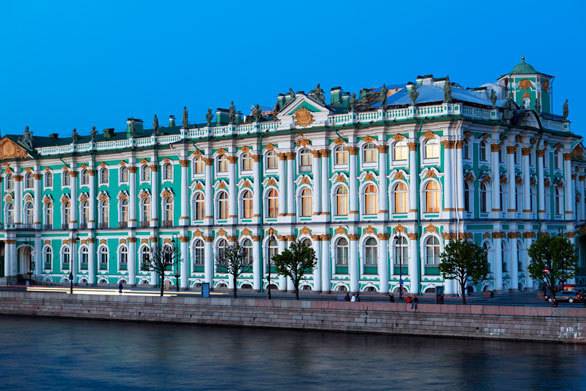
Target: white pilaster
256 264
185 202
528 279
257 200
316 244
326 264
92 257
209 194
185 259
413 264
233 191
38 206
353 151
514 264
496 179
316 195
541 186
526 182
282 246
155 193
132 208
291 185
448 196
209 259
353 266
459 194
92 208
282 184
132 264
413 182
325 184
498 264
569 192
18 193
38 254
74 206
383 192
511 211
383 263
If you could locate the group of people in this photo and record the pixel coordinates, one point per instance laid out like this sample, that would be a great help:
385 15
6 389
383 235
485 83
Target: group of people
355 297
414 300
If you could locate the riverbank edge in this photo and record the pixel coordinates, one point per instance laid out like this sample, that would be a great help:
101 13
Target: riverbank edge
538 324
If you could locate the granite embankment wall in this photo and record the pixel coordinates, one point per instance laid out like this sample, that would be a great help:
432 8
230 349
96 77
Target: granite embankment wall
470 321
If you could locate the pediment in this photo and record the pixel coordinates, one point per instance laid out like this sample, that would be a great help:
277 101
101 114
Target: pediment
303 112
11 150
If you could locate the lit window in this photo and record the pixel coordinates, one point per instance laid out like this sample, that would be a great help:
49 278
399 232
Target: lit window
222 163
246 162
273 203
198 166
341 156
400 151
199 206
145 210
370 200
370 153
272 161
247 204
400 193
223 205
432 149
342 201
432 197
305 160
306 202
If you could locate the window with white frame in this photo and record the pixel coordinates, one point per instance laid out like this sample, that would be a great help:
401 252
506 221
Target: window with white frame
467 197
168 210
370 154
342 201
247 248
432 251
66 257
103 257
247 204
273 203
66 216
222 205
247 162
400 151
341 155
9 213
483 151
432 197
370 200
558 200
401 256
272 249
123 218
370 252
465 150
199 206
28 181
9 182
103 209
104 176
557 159
400 194
83 257
306 202
221 247
167 172
222 164
431 149
48 179
305 160
84 178
48 215
198 166
145 210
47 258
145 258
123 174
123 253
272 162
66 178
29 213
484 197
145 173
198 253
342 252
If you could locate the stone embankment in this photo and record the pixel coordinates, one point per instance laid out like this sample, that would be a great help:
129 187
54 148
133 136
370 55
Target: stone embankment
470 321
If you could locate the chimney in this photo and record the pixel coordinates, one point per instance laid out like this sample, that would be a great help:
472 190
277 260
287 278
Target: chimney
54 136
171 121
109 133
336 95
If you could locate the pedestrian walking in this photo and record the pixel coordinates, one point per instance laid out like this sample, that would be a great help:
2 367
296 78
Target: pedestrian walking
120 286
414 302
347 297
358 297
353 298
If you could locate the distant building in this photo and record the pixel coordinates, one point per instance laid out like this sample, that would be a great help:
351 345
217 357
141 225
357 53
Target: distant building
376 183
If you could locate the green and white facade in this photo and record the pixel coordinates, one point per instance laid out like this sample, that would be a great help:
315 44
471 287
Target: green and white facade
376 189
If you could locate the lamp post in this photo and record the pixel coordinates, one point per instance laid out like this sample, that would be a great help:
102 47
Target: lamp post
70 283
177 275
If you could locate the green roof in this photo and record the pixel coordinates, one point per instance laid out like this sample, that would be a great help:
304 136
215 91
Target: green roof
523 68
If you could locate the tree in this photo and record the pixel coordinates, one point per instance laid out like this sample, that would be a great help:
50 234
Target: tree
161 259
233 260
462 261
553 260
294 262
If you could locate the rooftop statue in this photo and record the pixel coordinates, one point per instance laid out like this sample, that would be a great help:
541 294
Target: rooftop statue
383 95
352 103
291 94
74 135
232 112
257 113
508 110
93 133
566 110
413 94
209 117
185 121
155 125
27 137
318 94
447 90
493 97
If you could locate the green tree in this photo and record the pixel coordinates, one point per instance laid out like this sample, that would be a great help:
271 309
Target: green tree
464 261
553 261
234 261
294 262
161 259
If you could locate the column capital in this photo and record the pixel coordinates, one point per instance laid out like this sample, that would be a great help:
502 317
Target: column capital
567 156
511 149
540 152
412 146
495 147
382 148
132 169
525 151
324 153
448 144
353 150
184 163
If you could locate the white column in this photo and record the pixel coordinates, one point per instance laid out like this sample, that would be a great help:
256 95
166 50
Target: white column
511 211
326 264
514 264
92 259
256 264
132 258
459 205
448 178
155 193
291 184
528 279
316 195
325 183
74 264
11 258
92 206
184 218
132 202
526 182
569 187
17 199
540 184
353 267
38 255
383 263
316 244
581 210
413 182
233 190
257 200
383 191
38 201
7 259
74 202
209 261
413 264
185 259
209 192
496 180
353 151
449 286
282 245
498 263
282 184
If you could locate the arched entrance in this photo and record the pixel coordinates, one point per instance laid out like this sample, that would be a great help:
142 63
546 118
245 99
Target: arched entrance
25 261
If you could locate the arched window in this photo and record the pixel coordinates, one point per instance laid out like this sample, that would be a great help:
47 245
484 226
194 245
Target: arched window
467 197
168 211
272 249
400 197
47 257
104 176
66 257
306 202
246 162
484 197
198 253
199 207
167 172
432 197
370 153
104 215
272 161
370 200
247 247
145 173
483 149
66 217
558 200
342 201
145 211
306 242
432 251
432 149
66 178
556 159
123 174
9 182
370 252
9 213
83 257
222 163
29 214
401 258
342 252
198 166
247 204
84 178
28 181
400 151
123 258
48 215
123 218
145 258
48 179
103 257
305 160
341 155
273 203
221 248
223 205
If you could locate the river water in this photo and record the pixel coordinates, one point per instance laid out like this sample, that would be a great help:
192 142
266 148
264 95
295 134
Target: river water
56 354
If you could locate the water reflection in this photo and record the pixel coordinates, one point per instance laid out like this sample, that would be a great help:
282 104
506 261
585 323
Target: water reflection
58 354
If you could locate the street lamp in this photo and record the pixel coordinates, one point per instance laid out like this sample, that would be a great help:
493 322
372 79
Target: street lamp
177 275
70 283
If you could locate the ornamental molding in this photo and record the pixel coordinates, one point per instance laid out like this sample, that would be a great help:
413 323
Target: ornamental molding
398 137
368 139
431 228
305 231
11 150
369 230
303 117
429 135
340 230
246 232
339 141
400 228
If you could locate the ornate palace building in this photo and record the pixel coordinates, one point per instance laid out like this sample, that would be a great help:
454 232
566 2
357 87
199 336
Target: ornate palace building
376 182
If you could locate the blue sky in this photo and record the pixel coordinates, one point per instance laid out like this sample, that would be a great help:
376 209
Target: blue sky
78 64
